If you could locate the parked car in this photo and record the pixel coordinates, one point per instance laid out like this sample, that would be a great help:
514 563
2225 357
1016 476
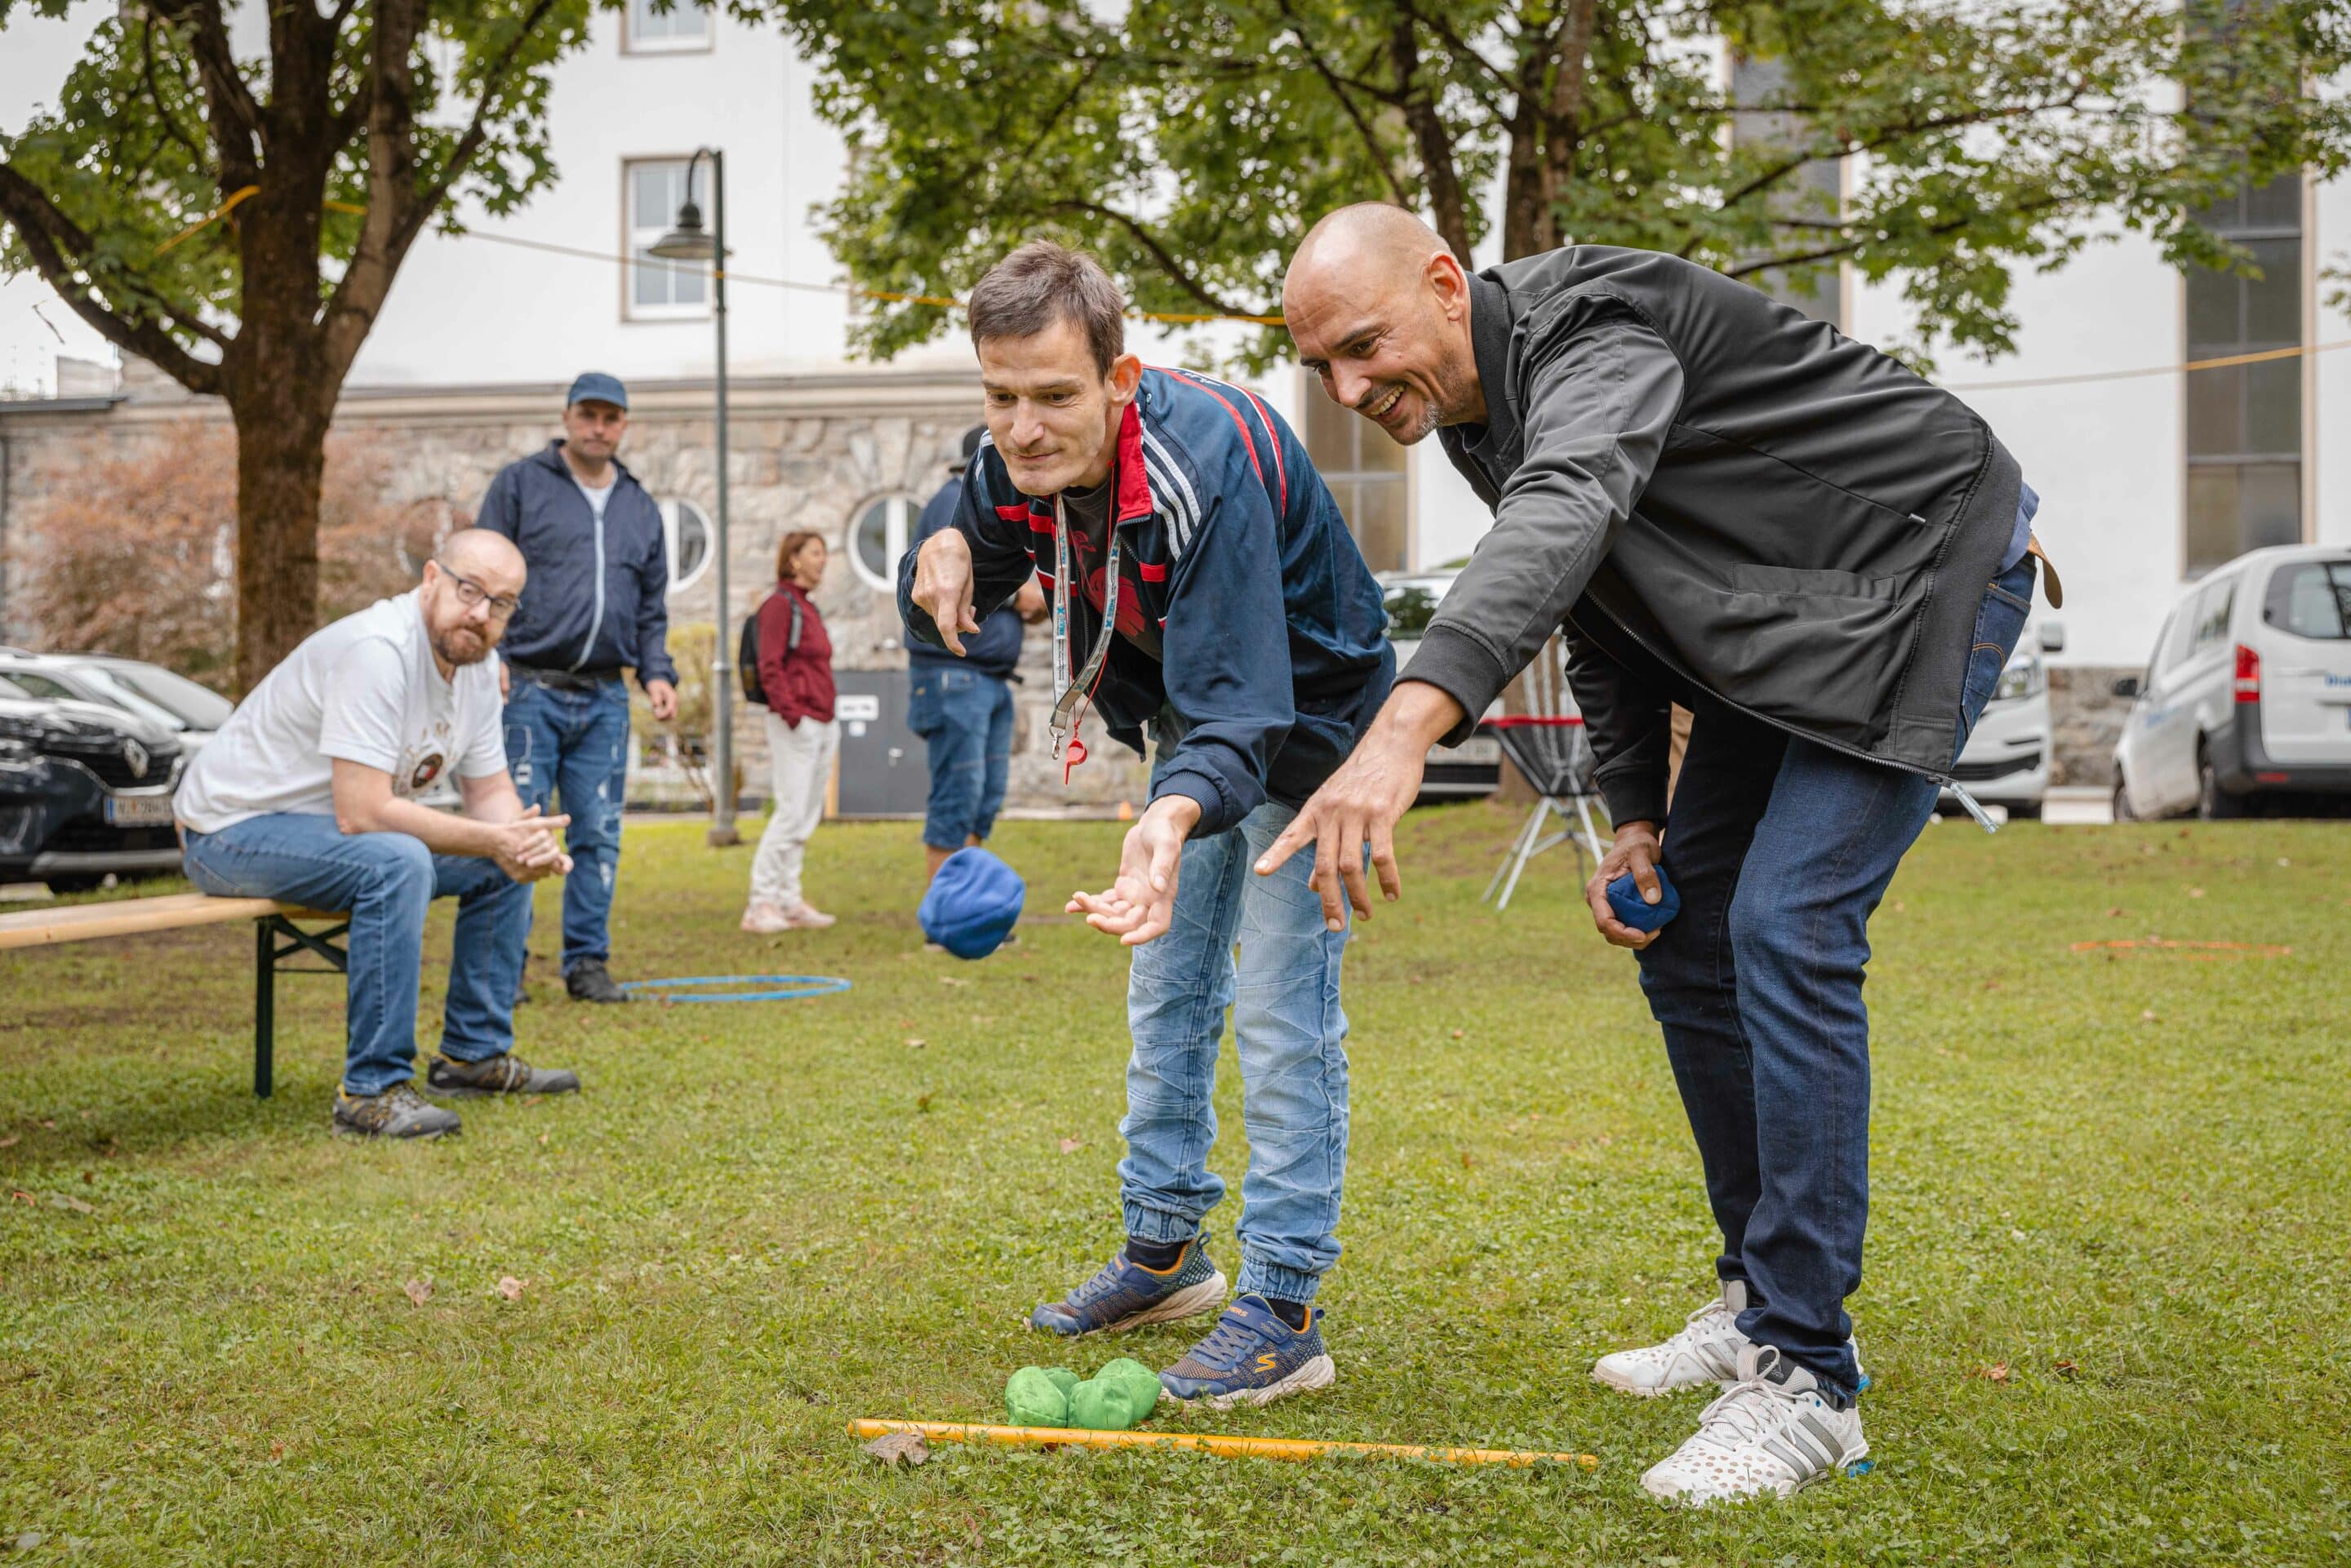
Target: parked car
161 697
2006 760
85 791
1472 769
2246 705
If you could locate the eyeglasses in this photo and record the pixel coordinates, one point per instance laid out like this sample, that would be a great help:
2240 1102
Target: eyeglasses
470 594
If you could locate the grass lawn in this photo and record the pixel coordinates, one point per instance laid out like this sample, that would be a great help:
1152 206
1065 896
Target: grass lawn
2105 1309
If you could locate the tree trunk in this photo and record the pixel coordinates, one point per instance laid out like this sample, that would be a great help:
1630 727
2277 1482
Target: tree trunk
281 458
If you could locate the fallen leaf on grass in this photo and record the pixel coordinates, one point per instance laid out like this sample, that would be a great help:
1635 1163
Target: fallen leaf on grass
916 1041
1070 1146
2146 1015
419 1291
511 1288
2069 1369
67 1200
1996 1373
952 981
2195 893
8 1142
278 1450
2117 913
907 1447
1460 1032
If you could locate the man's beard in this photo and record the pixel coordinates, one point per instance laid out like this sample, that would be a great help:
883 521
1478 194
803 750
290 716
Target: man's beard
460 646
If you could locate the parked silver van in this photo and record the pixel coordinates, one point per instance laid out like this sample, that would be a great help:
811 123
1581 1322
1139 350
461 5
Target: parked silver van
2246 705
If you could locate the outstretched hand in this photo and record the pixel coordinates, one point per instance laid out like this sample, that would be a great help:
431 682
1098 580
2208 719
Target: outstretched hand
1359 805
943 587
1141 903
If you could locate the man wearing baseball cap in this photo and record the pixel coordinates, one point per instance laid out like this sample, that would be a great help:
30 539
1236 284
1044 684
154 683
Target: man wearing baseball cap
596 606
963 707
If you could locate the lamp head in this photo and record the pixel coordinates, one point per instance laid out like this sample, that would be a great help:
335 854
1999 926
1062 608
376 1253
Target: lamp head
689 241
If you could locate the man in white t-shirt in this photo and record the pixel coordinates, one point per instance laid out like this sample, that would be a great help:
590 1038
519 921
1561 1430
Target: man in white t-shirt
308 794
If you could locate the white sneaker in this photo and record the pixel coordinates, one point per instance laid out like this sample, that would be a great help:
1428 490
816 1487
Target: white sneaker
806 916
1705 1351
766 920
1769 1433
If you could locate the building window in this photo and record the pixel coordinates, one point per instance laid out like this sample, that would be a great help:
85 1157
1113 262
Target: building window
658 290
686 536
1365 472
2244 422
879 537
680 28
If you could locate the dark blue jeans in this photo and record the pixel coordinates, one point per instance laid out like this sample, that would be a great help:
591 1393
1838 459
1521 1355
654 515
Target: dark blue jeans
1780 850
386 881
965 718
575 744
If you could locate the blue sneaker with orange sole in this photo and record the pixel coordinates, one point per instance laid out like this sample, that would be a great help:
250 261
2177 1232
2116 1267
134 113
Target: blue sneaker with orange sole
1252 1357
1123 1294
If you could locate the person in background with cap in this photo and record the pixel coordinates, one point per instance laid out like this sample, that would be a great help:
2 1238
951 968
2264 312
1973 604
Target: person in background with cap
963 707
597 606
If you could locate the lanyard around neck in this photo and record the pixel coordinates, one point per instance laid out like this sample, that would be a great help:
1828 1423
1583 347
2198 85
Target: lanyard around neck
1071 685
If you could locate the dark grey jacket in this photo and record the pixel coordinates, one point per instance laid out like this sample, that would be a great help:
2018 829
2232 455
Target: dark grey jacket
1717 496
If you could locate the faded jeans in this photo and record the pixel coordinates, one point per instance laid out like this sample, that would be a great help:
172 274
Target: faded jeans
386 881
1290 1035
964 718
799 757
1780 850
575 744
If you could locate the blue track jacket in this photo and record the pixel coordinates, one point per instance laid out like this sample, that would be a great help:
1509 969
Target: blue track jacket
1273 653
597 597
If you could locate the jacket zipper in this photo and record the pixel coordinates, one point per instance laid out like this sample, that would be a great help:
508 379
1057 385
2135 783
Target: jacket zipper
1943 780
596 622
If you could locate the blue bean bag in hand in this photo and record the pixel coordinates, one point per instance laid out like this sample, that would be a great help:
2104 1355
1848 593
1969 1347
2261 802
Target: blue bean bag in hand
973 904
1624 898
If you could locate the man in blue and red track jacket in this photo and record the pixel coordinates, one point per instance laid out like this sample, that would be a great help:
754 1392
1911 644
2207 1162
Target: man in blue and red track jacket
1246 631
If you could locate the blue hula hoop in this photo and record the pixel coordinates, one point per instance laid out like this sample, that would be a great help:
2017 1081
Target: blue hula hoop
799 986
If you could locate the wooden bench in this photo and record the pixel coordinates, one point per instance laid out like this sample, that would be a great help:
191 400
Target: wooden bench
276 938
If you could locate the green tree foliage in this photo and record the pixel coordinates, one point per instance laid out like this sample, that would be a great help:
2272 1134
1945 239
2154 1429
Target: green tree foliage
360 123
1189 141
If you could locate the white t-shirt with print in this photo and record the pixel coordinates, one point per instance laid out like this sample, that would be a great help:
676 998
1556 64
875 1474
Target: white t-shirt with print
365 690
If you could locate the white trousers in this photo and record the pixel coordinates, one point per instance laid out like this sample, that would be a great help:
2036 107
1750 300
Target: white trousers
801 759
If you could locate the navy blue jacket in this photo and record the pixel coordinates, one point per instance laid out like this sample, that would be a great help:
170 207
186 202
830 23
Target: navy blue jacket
597 597
995 648
1273 647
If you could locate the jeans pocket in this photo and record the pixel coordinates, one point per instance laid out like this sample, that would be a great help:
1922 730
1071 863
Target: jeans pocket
2000 625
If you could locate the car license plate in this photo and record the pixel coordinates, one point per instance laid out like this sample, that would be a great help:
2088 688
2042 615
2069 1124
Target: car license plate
1476 749
139 810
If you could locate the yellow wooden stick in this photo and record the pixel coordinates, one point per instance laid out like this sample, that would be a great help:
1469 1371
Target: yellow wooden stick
1218 1444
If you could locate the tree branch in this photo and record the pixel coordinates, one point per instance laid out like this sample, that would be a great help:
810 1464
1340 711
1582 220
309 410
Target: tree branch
1159 254
1436 166
1563 128
48 234
1846 248
155 95
234 118
397 210
1338 90
1454 42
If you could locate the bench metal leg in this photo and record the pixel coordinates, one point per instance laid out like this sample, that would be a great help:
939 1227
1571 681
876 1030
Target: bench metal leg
267 957
264 1004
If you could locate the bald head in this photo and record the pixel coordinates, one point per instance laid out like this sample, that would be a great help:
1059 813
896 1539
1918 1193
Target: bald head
1379 307
1368 238
479 551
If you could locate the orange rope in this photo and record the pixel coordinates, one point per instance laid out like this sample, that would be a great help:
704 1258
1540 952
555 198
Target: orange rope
1219 1445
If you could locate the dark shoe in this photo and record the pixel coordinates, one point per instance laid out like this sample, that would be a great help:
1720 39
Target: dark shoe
496 1075
1123 1294
399 1111
1251 1358
590 981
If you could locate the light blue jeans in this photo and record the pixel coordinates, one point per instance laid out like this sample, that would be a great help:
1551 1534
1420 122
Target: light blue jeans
386 881
1292 1036
577 743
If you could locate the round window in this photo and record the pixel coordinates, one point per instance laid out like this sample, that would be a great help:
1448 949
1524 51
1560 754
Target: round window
687 534
879 537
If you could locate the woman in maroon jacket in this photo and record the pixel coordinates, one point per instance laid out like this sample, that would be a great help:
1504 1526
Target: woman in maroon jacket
796 675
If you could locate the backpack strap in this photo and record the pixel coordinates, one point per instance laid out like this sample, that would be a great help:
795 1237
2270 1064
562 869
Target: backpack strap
792 642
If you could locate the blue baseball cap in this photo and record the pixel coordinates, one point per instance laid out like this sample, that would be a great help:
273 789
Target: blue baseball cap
599 387
973 904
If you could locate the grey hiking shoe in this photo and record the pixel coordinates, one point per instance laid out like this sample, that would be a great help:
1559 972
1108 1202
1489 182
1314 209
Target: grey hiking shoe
399 1111
590 981
507 1075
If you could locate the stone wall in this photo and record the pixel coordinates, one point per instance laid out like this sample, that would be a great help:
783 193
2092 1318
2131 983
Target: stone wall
811 452
2086 720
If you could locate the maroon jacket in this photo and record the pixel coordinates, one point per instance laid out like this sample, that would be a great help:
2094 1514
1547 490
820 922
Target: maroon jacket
798 685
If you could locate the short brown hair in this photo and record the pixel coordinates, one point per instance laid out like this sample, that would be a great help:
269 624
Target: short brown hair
1042 283
792 545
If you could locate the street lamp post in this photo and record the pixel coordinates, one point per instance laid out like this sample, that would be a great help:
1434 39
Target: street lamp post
689 242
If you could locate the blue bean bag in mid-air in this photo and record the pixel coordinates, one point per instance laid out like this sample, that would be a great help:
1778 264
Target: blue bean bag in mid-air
973 904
